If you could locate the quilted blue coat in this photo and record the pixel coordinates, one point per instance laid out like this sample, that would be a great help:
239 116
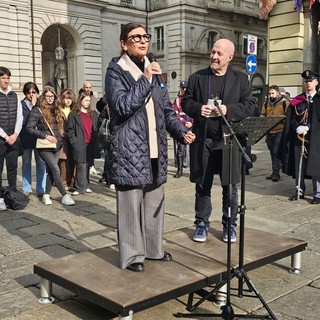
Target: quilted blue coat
130 163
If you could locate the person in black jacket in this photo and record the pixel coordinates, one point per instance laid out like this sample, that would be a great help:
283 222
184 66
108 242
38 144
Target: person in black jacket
82 131
140 112
28 143
300 143
46 122
216 84
10 126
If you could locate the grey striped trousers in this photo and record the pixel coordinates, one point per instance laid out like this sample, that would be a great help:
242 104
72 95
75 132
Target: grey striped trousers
140 215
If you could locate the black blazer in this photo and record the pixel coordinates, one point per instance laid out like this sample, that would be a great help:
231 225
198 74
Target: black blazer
237 96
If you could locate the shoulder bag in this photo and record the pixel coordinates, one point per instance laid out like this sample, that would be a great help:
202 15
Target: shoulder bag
104 135
44 143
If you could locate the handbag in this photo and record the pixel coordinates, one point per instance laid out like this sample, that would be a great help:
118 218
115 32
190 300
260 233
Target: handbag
44 143
104 134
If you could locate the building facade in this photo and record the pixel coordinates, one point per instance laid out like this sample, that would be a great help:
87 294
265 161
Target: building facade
293 44
67 42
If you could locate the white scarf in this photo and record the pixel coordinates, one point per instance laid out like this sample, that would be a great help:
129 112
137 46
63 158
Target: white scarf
128 65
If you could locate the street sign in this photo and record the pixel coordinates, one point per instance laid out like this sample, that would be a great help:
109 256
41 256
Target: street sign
251 64
252 44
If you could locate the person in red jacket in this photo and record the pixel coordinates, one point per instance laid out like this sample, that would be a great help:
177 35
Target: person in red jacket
182 150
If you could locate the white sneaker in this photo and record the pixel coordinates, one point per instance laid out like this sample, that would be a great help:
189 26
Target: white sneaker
112 187
88 190
67 200
46 199
75 193
2 205
93 170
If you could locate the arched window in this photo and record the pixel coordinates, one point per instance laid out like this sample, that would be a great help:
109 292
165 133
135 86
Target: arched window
212 38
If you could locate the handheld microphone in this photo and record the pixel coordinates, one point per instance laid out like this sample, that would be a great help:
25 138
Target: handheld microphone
152 58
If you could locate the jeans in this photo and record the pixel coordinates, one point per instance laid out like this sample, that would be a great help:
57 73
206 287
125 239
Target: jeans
27 175
273 140
203 206
9 153
51 159
316 186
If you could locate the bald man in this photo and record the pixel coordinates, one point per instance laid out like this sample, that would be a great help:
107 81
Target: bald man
216 84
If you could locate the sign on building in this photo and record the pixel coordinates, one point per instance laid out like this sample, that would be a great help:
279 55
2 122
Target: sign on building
252 44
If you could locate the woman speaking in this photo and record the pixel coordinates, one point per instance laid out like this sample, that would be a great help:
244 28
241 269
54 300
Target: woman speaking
140 113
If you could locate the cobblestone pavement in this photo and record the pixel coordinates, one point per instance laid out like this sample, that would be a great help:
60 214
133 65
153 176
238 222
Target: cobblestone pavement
42 232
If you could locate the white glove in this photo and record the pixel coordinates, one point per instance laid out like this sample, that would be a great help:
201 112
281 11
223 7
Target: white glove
302 130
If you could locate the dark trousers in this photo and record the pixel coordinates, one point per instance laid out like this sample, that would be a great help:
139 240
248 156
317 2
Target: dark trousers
203 205
83 170
51 159
273 141
9 153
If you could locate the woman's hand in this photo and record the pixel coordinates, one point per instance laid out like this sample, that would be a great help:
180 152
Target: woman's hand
52 139
152 68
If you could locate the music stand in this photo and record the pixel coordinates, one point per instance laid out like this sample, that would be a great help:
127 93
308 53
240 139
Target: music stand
249 131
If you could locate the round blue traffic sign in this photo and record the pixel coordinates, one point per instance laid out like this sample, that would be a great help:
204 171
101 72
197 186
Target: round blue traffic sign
251 63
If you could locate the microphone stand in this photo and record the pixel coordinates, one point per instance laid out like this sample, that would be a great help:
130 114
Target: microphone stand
227 309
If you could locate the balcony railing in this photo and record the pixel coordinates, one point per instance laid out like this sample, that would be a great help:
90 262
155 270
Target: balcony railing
246 7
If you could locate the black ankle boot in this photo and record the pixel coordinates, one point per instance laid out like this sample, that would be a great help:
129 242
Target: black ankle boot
180 167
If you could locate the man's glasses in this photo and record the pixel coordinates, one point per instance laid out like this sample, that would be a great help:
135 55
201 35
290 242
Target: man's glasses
137 37
49 97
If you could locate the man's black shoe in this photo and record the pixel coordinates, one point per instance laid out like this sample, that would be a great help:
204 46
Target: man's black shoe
136 267
269 177
295 197
275 177
315 200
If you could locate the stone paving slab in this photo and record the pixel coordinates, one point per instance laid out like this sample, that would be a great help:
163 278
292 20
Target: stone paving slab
41 233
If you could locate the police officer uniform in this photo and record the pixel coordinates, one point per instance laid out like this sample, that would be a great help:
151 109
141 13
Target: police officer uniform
300 141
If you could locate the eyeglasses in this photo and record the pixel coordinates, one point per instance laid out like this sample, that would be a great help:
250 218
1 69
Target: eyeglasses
31 92
137 37
49 97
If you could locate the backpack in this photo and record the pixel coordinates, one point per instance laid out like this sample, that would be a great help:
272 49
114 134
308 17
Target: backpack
13 198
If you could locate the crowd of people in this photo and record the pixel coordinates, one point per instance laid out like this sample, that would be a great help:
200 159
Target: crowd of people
141 114
60 131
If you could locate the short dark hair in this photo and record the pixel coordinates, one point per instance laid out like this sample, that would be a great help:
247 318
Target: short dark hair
4 71
28 86
274 87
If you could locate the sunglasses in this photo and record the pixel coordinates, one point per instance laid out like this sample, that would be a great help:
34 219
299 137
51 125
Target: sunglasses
31 92
137 37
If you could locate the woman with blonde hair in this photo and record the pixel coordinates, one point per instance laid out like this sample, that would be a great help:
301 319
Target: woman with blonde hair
82 132
66 102
46 122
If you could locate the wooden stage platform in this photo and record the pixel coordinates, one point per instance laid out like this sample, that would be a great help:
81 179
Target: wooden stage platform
95 275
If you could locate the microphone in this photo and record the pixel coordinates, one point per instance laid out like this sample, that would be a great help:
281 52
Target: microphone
152 58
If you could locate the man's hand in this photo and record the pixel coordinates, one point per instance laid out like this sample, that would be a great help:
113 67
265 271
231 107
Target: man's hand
189 137
11 139
213 111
